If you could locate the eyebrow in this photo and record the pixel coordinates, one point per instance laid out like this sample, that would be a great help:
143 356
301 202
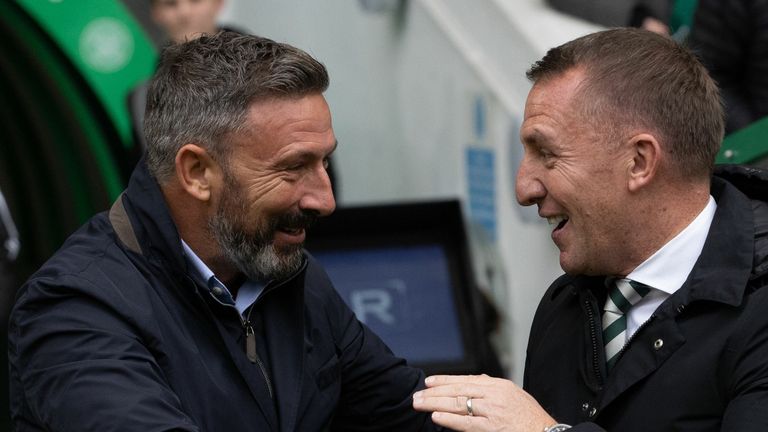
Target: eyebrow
307 154
533 137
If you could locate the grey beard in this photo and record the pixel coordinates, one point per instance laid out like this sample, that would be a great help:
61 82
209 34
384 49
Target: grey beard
254 255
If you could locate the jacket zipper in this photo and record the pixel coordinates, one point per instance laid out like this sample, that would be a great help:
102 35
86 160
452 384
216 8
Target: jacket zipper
250 341
631 338
593 335
250 349
250 335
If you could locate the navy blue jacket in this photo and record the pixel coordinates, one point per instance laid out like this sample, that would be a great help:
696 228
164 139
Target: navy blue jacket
699 364
113 333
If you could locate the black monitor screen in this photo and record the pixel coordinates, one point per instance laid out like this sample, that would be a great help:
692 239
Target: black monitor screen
405 294
404 270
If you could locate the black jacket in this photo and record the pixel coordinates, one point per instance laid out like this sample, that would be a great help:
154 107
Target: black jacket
113 333
709 372
731 38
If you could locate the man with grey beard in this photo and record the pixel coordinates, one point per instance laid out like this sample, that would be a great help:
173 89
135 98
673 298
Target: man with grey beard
191 304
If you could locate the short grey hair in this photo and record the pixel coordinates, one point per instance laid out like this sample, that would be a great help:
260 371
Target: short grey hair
203 89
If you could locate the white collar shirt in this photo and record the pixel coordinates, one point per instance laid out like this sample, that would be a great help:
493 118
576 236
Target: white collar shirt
667 269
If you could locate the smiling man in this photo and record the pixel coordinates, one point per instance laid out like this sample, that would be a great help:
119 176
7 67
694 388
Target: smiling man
660 322
191 304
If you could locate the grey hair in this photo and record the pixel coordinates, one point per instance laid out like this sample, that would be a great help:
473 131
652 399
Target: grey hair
203 88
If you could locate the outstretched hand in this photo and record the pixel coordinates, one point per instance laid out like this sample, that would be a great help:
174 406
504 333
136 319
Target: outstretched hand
496 404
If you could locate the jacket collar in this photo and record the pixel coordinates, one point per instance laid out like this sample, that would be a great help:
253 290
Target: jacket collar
143 223
717 276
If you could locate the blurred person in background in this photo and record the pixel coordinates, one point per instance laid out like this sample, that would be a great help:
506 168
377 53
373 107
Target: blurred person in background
184 20
731 39
609 13
652 15
665 17
180 21
672 18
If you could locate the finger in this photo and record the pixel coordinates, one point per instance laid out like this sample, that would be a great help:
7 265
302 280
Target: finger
459 422
455 405
453 390
436 380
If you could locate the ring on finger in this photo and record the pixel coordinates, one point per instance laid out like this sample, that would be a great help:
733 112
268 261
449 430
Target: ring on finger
469 407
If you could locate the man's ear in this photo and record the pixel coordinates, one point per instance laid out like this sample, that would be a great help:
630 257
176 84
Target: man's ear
646 160
196 171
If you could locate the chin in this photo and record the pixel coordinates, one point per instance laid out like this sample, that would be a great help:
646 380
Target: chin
285 250
573 268
566 265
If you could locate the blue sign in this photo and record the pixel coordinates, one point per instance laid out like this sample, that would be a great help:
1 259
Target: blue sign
481 184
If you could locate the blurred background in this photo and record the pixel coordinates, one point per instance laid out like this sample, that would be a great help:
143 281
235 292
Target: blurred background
427 99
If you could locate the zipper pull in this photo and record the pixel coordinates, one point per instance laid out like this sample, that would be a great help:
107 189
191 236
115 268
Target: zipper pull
250 343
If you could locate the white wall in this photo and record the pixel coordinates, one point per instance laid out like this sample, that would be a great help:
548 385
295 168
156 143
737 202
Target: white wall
404 91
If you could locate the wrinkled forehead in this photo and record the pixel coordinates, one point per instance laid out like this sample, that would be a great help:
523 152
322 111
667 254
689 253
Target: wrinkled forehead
278 122
556 92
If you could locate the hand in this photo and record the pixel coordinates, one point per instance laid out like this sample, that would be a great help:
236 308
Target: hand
497 404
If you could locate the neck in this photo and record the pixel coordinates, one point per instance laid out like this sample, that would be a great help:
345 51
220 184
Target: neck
191 219
662 217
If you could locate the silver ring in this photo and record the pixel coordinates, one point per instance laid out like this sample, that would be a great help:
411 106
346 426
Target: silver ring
469 407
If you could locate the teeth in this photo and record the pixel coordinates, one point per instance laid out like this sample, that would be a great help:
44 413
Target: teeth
555 220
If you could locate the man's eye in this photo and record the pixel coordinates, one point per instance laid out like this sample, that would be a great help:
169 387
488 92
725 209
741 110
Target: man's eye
547 157
326 162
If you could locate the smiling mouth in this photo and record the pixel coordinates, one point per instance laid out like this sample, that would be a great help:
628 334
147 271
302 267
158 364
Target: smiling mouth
295 224
292 231
559 221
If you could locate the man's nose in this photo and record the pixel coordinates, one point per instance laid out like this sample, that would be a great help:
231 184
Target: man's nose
528 187
319 194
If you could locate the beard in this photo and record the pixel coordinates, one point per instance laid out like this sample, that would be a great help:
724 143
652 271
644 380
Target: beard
252 250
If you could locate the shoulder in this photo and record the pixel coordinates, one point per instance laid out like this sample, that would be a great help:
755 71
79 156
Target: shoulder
82 255
753 184
90 268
